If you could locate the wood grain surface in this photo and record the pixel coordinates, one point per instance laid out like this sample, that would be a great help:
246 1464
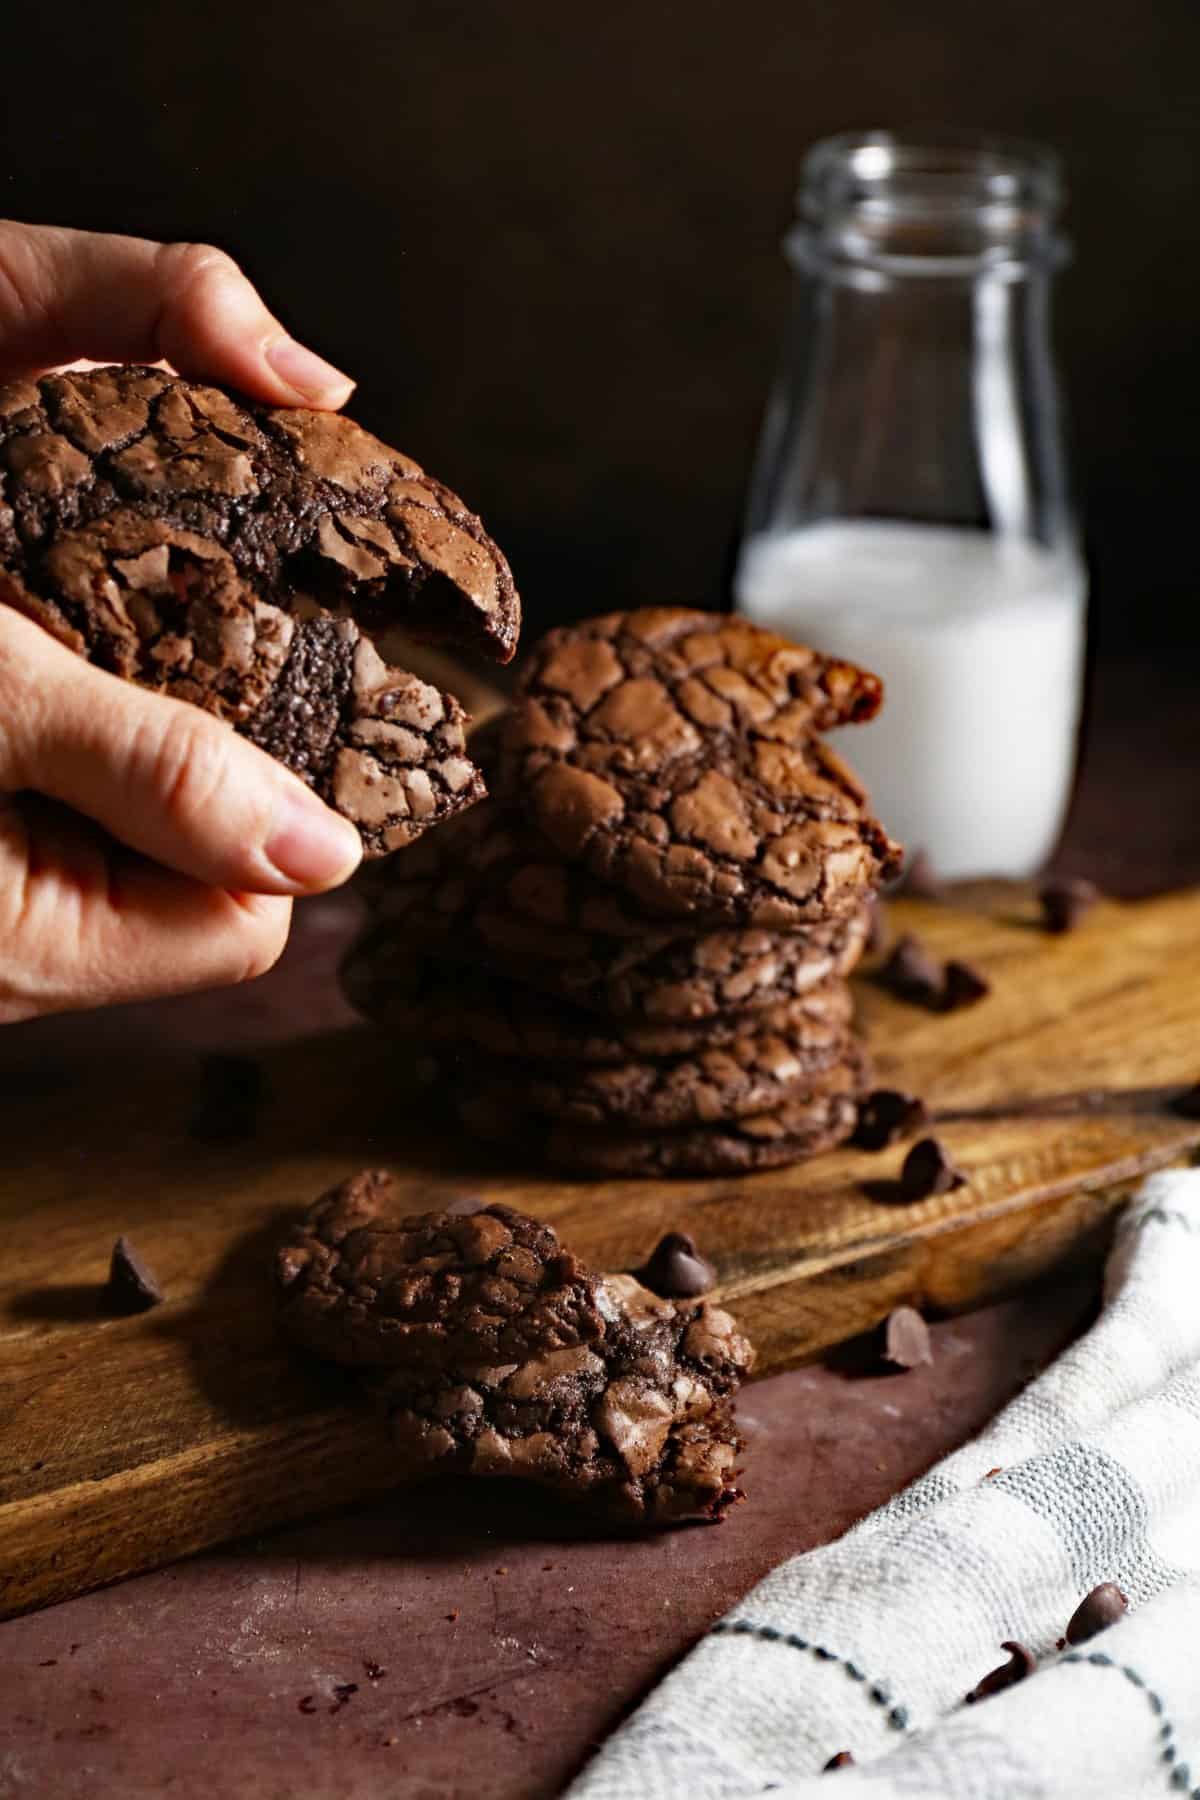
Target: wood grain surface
127 1442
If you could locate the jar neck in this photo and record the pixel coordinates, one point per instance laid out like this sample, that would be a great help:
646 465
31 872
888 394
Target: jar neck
876 208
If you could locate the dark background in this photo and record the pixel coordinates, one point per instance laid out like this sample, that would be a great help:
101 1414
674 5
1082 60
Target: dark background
546 238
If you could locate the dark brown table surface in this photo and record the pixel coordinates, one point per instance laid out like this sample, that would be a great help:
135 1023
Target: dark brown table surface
452 1642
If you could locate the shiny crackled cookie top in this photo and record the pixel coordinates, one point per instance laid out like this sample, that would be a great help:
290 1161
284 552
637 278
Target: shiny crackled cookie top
302 501
677 755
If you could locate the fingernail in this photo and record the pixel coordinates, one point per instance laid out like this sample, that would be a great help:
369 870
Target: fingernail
310 846
307 374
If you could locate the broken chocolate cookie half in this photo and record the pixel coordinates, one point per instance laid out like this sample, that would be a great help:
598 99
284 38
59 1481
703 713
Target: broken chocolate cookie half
240 557
495 1352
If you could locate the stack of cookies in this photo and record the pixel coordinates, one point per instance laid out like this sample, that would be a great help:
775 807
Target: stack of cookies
632 959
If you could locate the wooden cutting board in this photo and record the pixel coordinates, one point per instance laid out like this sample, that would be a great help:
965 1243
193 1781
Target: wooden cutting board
125 1443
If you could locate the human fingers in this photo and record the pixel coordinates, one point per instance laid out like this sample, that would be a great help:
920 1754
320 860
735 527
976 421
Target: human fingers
160 775
68 294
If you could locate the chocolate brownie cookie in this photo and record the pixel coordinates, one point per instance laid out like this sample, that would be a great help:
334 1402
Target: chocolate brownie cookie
662 979
753 1073
509 1358
445 1003
674 754
364 1281
807 1123
697 978
638 1425
492 867
167 608
195 543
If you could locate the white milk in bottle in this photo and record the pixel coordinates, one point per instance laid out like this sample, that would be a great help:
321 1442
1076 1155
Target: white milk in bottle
979 640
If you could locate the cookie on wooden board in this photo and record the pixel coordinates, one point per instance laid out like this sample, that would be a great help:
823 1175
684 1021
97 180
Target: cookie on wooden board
807 1123
445 1003
675 754
496 1353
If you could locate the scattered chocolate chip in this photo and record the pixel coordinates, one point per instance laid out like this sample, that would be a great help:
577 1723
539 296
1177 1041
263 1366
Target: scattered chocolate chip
905 1339
887 1115
1021 1663
308 1704
1096 1612
373 1670
963 985
226 1110
912 974
132 1287
1066 903
675 1270
928 1170
341 1694
1186 1105
920 878
50 1663
843 1760
988 1473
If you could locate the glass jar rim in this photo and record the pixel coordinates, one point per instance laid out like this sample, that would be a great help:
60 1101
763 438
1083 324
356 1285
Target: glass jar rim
877 206
934 173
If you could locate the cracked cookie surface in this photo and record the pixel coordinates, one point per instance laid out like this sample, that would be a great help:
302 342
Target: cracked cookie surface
190 541
367 1281
753 1073
675 754
661 979
443 1003
633 1416
807 1123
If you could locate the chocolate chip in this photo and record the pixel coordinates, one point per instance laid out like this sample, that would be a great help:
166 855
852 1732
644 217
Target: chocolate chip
962 985
928 1170
1186 1105
1096 1612
132 1287
920 878
905 1339
374 1671
886 1116
843 1760
227 1107
675 1270
912 974
1065 903
1020 1664
341 1694
308 1704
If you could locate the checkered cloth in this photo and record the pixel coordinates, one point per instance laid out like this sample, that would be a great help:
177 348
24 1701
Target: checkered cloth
871 1643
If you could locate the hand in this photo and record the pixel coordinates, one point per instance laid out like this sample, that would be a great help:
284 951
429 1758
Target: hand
144 847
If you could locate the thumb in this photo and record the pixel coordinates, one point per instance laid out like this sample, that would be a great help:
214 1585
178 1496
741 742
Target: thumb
160 775
66 294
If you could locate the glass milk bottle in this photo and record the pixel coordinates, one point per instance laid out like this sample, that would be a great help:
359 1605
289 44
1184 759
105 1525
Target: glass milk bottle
909 509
